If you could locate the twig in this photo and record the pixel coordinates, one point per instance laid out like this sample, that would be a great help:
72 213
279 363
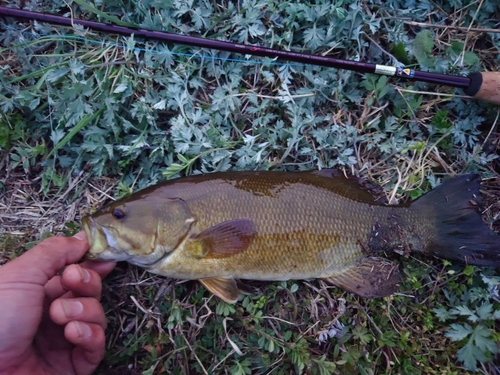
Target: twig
466 29
399 88
467 34
392 198
381 49
194 354
491 130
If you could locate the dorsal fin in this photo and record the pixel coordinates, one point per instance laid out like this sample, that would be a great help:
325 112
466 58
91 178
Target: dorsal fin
351 187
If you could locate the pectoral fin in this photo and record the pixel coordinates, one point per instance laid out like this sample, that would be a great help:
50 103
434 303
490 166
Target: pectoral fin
224 239
373 277
225 288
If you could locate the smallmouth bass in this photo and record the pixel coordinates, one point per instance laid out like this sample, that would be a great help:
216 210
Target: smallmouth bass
222 227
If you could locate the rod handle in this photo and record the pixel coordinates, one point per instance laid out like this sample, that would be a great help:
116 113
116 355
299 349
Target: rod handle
485 86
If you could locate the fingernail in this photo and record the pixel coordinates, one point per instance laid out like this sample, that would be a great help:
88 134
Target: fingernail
83 329
72 308
85 274
80 236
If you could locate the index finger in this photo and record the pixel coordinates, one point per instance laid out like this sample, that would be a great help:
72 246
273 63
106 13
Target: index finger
83 279
102 268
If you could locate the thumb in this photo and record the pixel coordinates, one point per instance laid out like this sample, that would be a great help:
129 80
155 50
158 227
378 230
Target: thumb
45 260
81 236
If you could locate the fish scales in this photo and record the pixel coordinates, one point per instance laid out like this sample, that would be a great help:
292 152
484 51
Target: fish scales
299 232
222 227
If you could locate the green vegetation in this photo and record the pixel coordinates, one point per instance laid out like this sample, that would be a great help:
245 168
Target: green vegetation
86 116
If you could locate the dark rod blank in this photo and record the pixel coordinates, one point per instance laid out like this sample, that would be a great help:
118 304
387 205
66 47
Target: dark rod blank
362 67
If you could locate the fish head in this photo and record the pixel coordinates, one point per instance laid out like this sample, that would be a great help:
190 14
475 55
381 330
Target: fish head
139 231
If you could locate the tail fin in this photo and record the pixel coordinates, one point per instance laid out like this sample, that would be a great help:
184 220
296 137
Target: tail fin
461 233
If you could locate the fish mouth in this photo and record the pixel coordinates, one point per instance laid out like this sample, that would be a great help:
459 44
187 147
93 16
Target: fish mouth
103 242
89 227
99 238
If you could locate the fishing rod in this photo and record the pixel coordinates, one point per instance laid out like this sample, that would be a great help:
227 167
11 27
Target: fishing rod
484 86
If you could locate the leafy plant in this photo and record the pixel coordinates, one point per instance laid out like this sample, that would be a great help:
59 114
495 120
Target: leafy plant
479 341
422 48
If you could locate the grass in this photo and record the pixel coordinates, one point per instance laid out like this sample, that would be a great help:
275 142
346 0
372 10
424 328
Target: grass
85 117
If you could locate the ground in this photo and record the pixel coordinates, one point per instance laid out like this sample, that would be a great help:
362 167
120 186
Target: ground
86 117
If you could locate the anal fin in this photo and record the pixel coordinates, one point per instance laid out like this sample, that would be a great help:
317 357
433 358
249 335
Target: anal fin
373 277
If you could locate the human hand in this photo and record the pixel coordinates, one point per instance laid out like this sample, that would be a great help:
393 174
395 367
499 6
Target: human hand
50 323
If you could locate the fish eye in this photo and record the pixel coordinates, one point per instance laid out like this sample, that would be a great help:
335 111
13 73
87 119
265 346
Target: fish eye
118 213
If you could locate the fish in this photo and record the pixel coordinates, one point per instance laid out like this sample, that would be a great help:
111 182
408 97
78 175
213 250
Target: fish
224 227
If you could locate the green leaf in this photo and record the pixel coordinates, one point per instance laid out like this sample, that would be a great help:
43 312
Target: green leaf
469 270
314 37
5 135
484 311
443 314
459 332
172 170
120 88
493 281
456 47
81 124
440 120
399 52
224 308
241 368
54 75
424 42
102 14
470 58
466 311
362 334
387 339
422 48
469 355
323 366
481 338
478 348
